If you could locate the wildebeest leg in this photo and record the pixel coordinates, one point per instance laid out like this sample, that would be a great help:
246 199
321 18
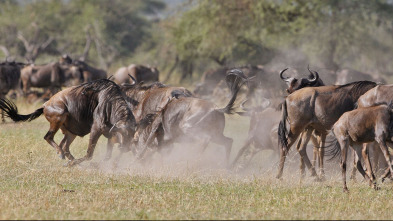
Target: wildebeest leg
344 150
354 169
303 154
66 142
315 150
109 147
226 142
359 153
94 135
385 151
241 151
321 154
283 152
366 158
53 128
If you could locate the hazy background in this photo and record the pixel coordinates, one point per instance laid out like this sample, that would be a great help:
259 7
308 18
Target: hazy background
185 38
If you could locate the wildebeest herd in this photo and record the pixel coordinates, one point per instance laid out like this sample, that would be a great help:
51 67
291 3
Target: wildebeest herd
147 118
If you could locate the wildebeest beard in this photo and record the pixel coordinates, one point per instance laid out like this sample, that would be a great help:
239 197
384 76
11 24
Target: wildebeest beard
103 98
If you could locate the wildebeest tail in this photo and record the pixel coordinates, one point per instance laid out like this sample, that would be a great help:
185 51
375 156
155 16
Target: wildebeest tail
282 128
235 80
333 150
11 111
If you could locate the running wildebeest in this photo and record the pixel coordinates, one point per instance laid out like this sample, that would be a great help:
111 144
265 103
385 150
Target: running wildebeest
89 73
262 120
98 108
52 76
263 78
192 118
315 108
138 72
364 125
145 100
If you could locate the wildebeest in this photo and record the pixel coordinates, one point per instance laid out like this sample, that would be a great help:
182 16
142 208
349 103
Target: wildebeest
9 79
52 76
381 94
190 118
262 121
315 108
89 73
145 100
364 125
98 108
294 84
262 132
138 72
263 78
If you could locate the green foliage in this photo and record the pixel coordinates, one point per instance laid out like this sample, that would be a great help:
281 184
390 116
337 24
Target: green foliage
331 33
115 28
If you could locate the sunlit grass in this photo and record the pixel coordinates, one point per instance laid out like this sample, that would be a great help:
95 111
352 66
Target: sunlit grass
35 185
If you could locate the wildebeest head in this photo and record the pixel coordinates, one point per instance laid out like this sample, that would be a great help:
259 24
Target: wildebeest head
65 59
294 84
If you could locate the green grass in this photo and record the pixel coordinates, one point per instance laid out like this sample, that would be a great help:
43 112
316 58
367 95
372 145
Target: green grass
35 185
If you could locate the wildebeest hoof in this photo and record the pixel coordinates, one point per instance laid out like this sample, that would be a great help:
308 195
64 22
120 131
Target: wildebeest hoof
68 164
62 156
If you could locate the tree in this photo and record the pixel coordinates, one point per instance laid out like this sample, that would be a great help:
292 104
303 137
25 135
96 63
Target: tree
331 33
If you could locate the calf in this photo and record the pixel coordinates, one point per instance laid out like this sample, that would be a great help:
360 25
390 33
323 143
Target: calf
364 125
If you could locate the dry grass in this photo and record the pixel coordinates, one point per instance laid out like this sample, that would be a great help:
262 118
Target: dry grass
35 185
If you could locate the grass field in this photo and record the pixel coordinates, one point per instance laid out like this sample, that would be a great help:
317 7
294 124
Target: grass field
35 185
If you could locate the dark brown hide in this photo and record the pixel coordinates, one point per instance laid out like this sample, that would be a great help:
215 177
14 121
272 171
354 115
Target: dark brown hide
364 125
192 118
295 84
9 77
144 73
316 108
52 76
98 108
90 73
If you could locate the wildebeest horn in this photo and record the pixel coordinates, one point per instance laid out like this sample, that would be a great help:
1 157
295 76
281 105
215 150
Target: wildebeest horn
282 77
315 76
132 78
243 107
110 77
112 128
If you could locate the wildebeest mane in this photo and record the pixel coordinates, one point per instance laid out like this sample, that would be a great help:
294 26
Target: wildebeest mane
357 87
93 93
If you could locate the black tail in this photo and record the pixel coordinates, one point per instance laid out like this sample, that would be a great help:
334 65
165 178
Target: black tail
333 150
282 128
11 111
235 80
